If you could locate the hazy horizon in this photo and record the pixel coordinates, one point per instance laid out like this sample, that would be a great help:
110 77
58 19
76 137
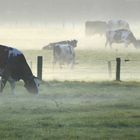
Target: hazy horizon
57 11
31 24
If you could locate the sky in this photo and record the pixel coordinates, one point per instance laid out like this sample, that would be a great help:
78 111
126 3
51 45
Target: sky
47 11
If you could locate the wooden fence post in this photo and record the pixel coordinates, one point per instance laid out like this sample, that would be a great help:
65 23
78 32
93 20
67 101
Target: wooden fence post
39 67
118 68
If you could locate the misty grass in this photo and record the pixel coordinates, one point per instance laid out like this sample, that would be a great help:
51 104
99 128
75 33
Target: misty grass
71 111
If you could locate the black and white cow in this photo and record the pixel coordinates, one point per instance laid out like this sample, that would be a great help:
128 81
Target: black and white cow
121 36
117 24
63 54
51 45
13 67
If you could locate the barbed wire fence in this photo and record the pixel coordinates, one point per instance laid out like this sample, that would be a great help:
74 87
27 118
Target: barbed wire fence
119 69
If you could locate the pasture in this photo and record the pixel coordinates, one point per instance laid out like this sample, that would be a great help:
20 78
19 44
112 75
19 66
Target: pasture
72 111
80 108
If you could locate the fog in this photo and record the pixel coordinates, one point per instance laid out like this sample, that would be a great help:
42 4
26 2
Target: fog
46 11
31 24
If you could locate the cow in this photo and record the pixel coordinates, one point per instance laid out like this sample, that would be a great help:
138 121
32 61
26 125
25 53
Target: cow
121 36
95 27
70 42
63 54
13 67
117 24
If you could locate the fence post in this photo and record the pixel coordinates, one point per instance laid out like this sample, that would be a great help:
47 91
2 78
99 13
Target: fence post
118 68
109 69
39 67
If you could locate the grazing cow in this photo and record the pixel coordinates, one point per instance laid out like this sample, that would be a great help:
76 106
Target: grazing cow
63 54
117 24
121 36
13 67
95 27
51 45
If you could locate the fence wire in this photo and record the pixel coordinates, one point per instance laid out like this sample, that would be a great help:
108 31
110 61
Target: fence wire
99 70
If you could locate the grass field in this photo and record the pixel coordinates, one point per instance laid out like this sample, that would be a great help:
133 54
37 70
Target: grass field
83 104
72 111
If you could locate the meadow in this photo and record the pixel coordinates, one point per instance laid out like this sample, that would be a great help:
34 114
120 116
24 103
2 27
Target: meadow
68 109
72 111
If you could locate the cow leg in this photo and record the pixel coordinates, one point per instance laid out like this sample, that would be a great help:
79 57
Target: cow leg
2 84
54 62
72 63
108 41
73 60
4 79
13 85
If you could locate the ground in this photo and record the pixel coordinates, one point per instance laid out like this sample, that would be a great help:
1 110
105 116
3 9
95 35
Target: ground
72 111
84 103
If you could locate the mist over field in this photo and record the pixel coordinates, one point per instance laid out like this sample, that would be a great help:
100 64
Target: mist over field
32 24
34 37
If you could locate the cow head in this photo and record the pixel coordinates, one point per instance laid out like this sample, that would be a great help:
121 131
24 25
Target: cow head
32 84
73 43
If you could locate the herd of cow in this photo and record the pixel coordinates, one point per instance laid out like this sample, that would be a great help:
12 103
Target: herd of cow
116 31
13 65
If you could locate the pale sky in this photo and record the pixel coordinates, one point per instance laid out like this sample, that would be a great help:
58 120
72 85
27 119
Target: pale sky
68 10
